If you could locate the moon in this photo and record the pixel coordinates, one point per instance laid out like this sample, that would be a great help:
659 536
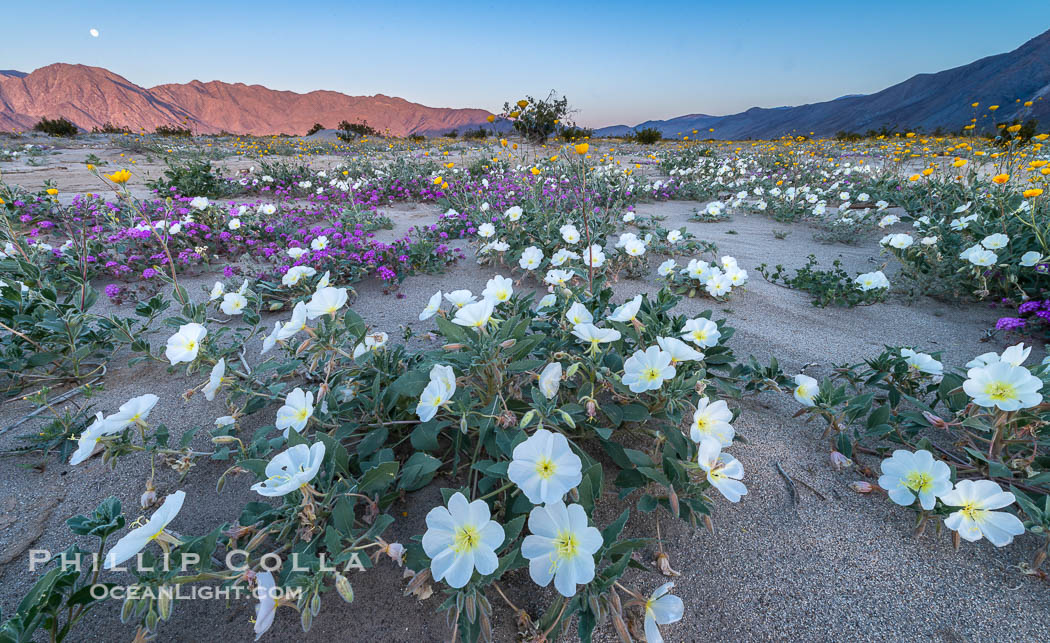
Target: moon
94 33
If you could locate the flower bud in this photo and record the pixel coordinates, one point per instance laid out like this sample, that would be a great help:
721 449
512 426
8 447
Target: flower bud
148 497
861 487
569 372
840 461
527 418
508 343
592 409
452 347
934 420
343 587
223 439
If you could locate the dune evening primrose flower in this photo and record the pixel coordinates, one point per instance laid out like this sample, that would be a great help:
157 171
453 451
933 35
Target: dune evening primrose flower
702 332
432 307
269 595
588 333
216 291
1004 386
297 273
326 301
296 412
569 233
544 467
975 518
711 420
872 281
476 315
215 379
233 303
513 213
291 470
678 350
531 258
550 380
372 342
460 298
88 440
184 345
806 388
906 475
460 539
922 362
627 312
666 269
647 370
723 470
578 314
295 324
498 289
1031 258
561 546
662 608
136 540
437 393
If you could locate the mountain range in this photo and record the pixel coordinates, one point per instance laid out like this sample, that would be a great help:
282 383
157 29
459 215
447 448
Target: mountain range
923 102
91 97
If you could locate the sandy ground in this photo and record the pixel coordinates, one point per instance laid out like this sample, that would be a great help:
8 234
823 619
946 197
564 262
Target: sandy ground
845 567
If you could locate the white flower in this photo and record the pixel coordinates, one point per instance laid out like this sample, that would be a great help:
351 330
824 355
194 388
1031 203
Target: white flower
295 324
975 518
806 388
674 236
136 540
578 314
296 412
662 608
983 258
459 298
906 475
486 230
295 273
557 277
569 233
513 213
326 301
872 281
291 470
233 303
544 467
234 224
995 241
546 301
88 440
437 393
563 255
476 315
718 285
634 248
296 252
702 332
184 345
647 370
561 546
531 258
922 362
498 289
460 539
627 312
901 240
216 291
1004 386
588 333
711 420
432 307
215 379
319 243
666 269
267 208
372 342
594 257
199 202
269 598
1015 356
550 380
628 217
723 470
679 350
1030 258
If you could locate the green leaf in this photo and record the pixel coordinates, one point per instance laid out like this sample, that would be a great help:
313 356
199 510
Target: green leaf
418 471
378 477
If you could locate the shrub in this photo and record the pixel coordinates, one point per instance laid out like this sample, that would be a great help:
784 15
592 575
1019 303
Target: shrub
647 136
475 134
537 120
172 130
349 131
317 127
573 133
110 128
56 127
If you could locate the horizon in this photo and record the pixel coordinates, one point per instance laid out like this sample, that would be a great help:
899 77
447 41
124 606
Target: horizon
769 66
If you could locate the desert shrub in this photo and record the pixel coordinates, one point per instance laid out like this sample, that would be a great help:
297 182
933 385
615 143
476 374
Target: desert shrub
56 127
574 133
475 134
110 128
173 130
317 127
647 136
833 287
451 134
417 138
192 177
537 120
349 131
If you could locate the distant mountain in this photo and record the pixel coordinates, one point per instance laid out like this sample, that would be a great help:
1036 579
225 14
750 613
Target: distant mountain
91 97
924 102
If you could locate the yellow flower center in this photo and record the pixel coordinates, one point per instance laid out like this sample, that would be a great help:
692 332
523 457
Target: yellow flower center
301 414
545 468
651 374
918 481
467 538
1000 391
566 545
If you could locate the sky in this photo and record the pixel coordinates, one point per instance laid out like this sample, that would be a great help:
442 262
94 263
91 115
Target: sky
617 62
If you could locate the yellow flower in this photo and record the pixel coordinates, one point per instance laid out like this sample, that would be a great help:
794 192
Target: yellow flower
1013 129
974 104
1028 194
515 114
1040 137
52 191
90 167
437 180
999 179
120 176
992 108
959 162
490 118
1028 103
581 148
535 171
913 178
928 171
503 142
523 103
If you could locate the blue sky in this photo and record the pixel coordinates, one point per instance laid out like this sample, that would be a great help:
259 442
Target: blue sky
618 62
